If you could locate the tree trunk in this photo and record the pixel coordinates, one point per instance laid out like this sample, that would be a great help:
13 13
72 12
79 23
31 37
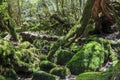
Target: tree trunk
19 13
11 28
75 32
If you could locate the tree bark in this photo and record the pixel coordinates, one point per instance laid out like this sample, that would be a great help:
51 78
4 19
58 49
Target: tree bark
75 32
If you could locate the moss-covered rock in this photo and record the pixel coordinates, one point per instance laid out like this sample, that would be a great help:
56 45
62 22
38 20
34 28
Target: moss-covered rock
89 76
74 47
98 76
17 58
89 58
46 65
94 76
2 77
42 45
62 72
63 56
27 58
92 56
10 73
41 75
7 53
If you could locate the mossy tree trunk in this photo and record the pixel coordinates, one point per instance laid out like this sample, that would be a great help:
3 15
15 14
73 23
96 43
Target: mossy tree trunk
75 32
7 21
14 9
11 29
11 24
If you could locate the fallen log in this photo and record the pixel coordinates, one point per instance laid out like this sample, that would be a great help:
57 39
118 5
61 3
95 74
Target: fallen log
31 36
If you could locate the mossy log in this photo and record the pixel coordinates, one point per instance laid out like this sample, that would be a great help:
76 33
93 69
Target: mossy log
76 31
31 36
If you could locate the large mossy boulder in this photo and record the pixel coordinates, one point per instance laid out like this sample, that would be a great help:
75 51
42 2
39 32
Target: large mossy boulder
63 56
92 56
46 65
15 59
41 75
10 73
62 72
27 57
89 58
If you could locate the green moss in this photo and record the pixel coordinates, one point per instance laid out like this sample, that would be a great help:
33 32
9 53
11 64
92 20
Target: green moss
2 77
9 78
98 76
10 73
1 2
43 57
94 76
113 73
47 65
92 56
63 56
89 58
20 66
110 75
89 76
61 71
117 66
42 45
41 75
22 58
7 53
26 57
25 45
74 47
